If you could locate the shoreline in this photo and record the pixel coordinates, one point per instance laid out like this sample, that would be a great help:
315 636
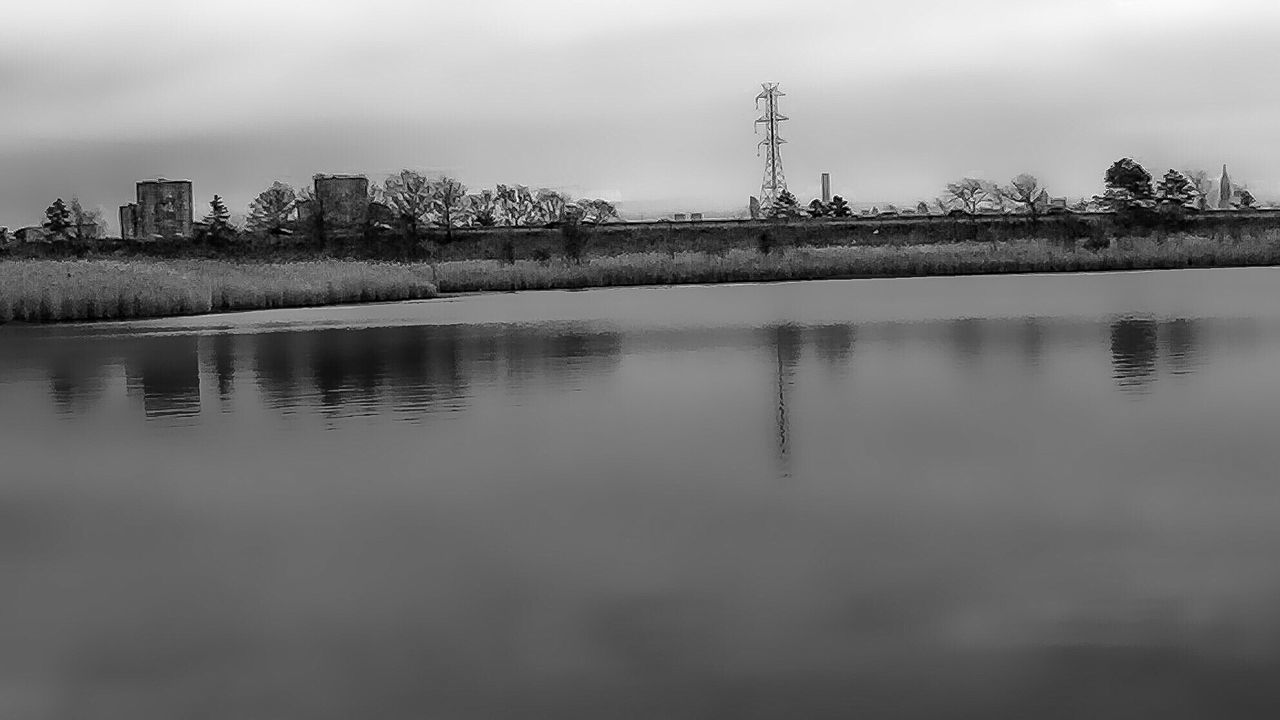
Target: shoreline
57 291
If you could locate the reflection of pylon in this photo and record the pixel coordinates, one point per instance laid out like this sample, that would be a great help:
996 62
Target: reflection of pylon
788 346
774 183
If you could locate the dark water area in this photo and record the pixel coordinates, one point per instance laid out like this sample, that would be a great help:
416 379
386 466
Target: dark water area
1016 496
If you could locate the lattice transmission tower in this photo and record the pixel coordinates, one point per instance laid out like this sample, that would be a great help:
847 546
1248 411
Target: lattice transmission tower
774 183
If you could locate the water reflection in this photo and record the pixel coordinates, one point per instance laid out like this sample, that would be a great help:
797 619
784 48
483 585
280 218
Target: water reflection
967 339
223 349
583 519
1181 345
412 371
1133 352
74 386
787 343
418 370
834 344
166 372
1136 347
1032 342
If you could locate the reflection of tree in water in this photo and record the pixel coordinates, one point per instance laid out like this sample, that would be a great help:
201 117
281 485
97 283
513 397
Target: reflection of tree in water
966 338
346 366
275 358
419 369
75 381
834 343
167 371
559 359
222 348
1180 341
1133 352
1031 340
787 342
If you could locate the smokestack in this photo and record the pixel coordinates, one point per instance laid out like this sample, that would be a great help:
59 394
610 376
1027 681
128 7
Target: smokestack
826 188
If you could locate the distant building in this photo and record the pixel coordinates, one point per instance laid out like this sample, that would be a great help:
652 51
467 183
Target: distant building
754 206
33 234
826 188
695 217
129 221
340 202
163 210
679 217
87 231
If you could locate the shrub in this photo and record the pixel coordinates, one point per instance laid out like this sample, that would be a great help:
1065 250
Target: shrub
765 242
1098 241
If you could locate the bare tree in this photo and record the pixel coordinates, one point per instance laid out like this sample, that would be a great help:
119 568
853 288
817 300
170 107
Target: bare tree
517 204
1026 192
970 194
85 223
448 203
598 211
409 194
551 205
1201 186
482 208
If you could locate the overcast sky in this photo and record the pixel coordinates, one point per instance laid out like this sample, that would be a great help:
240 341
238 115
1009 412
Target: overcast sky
650 103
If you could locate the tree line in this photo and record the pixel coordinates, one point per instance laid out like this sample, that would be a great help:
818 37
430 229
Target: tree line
410 202
407 202
1128 189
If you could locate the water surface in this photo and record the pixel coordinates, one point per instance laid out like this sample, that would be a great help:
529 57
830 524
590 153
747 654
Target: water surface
1018 496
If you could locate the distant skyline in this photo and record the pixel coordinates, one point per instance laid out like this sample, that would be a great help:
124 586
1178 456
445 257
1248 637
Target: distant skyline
649 104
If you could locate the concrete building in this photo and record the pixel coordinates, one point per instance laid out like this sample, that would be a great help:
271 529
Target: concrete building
826 188
341 200
129 221
163 210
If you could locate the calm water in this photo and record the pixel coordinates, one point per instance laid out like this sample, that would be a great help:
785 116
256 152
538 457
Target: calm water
1035 496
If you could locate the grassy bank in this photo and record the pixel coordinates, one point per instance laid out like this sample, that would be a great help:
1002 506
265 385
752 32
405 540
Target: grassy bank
46 290
809 263
52 290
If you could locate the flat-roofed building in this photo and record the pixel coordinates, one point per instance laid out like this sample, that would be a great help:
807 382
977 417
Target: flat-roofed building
163 210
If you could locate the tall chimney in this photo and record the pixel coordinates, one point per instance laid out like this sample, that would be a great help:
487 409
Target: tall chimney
826 188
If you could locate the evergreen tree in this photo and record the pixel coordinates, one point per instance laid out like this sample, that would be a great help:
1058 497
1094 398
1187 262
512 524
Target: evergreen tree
1128 185
218 220
1174 189
817 209
58 217
1246 199
272 210
786 206
840 207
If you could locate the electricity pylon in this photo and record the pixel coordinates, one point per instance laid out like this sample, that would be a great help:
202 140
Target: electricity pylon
774 183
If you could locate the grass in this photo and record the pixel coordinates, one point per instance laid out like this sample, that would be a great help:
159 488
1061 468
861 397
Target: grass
53 290
49 290
809 263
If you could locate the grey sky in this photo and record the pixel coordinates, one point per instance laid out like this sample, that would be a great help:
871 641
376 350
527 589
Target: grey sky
645 102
